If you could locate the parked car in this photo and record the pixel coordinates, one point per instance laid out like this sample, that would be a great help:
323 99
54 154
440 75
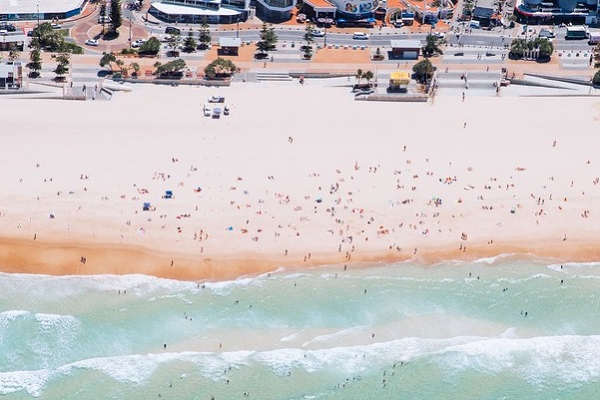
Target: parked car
91 42
55 26
226 111
103 19
216 113
547 33
172 30
318 33
138 43
207 110
360 36
8 27
216 99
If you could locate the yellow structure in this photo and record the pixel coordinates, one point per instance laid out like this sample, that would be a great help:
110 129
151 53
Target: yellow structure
399 81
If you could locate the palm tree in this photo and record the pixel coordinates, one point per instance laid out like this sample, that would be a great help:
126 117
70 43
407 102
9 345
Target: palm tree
368 76
359 75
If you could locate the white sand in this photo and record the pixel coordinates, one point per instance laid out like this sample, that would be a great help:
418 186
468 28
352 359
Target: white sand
266 188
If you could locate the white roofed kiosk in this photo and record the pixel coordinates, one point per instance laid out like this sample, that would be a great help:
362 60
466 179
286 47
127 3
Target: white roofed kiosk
229 46
405 49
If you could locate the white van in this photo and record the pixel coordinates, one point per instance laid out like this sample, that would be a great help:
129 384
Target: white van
474 25
360 36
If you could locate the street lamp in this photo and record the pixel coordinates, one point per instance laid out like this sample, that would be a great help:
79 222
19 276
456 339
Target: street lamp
38 15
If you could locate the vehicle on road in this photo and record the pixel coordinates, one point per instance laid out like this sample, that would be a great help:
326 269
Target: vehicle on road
207 111
8 27
216 99
55 26
360 36
576 33
318 33
3 32
91 42
172 30
594 37
547 33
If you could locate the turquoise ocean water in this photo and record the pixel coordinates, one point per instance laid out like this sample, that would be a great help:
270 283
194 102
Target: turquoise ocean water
503 328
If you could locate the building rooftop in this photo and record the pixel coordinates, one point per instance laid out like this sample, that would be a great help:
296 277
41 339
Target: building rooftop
183 10
406 43
230 42
489 4
31 6
321 4
14 38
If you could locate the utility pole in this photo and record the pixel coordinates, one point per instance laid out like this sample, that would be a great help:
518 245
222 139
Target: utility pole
130 30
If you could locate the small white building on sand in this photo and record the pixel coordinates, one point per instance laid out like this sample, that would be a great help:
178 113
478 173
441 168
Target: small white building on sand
11 75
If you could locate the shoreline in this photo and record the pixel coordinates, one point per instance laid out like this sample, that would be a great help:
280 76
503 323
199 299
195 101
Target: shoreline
65 259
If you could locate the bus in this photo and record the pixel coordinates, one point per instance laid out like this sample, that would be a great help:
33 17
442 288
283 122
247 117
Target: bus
576 32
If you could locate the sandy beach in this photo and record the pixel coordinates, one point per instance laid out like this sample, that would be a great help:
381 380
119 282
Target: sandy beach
296 176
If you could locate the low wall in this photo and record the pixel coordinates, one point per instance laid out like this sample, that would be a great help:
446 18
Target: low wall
409 98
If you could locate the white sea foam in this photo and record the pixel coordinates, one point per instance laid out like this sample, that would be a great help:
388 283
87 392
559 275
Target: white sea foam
130 369
540 359
333 337
69 285
6 317
494 259
291 337
137 284
224 288
63 324
572 265
561 358
32 382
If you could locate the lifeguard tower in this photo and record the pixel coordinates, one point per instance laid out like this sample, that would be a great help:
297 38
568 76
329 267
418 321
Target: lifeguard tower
399 81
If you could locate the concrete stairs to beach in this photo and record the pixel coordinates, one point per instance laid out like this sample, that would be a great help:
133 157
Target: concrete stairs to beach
273 76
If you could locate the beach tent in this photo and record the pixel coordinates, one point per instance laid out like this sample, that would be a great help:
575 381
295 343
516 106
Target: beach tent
146 207
168 194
